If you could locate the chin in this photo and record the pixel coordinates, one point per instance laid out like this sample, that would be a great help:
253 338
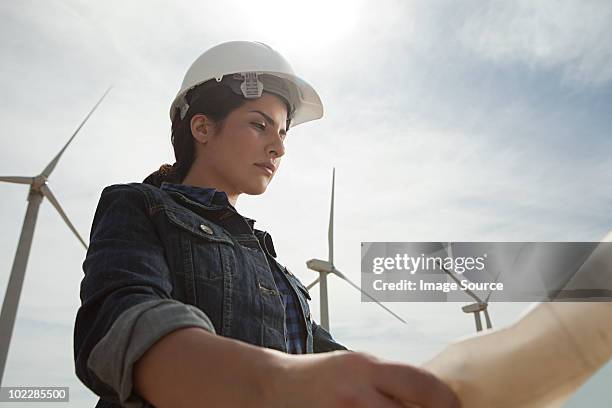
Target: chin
256 189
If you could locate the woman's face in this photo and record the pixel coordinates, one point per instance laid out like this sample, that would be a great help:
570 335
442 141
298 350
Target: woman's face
233 158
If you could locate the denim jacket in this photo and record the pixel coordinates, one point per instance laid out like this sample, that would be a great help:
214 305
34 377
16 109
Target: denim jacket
159 261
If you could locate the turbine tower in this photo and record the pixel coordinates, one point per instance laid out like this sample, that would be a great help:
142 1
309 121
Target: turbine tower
327 267
480 305
475 308
38 189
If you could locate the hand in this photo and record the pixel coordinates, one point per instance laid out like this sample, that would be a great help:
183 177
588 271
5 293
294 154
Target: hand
353 380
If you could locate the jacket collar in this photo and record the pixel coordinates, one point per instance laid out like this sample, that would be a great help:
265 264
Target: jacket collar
210 197
206 196
203 195
265 240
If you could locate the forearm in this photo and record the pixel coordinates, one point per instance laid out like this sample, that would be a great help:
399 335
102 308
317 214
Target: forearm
195 368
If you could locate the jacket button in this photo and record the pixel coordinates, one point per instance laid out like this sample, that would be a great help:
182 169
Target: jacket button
206 229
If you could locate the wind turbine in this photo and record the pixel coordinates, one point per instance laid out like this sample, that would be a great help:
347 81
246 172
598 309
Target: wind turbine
38 189
475 308
480 305
327 267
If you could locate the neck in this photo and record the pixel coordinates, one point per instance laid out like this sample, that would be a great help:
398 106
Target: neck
204 179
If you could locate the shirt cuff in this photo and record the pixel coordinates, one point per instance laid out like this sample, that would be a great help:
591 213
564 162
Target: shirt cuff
132 334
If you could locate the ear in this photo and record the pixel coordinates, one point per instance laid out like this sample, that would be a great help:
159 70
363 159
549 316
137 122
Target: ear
201 128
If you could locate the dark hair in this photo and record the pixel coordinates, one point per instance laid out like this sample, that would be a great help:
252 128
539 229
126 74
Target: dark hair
216 102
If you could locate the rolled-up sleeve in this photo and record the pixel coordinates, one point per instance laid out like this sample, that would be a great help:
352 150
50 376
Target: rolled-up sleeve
126 297
322 341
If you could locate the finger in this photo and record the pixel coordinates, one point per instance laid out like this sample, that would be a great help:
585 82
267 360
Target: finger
414 385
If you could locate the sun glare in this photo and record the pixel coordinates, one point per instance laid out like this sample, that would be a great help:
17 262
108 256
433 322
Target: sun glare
307 25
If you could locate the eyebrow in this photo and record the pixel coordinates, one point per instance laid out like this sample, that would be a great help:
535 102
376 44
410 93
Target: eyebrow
268 119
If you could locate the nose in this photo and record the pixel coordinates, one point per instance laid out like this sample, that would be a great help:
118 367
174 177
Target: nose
277 146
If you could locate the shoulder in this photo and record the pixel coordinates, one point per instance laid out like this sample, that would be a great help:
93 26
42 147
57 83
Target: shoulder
134 197
130 206
133 189
137 192
129 199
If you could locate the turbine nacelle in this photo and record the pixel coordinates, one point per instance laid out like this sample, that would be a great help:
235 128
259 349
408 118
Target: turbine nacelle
38 182
475 308
320 265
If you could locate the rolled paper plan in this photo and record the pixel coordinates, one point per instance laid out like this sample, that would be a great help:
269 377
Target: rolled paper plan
540 360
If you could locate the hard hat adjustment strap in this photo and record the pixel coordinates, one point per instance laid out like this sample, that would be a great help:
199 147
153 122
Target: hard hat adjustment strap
251 87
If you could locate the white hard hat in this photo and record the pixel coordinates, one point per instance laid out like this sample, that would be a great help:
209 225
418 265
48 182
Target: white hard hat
250 68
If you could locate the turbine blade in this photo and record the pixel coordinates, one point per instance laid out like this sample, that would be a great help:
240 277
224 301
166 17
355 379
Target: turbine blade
47 171
17 179
467 291
488 319
491 291
478 321
449 249
341 275
47 193
314 282
330 232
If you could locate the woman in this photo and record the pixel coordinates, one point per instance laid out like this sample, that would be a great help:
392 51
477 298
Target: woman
183 301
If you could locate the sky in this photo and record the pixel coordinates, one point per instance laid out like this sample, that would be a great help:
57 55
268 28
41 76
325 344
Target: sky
445 121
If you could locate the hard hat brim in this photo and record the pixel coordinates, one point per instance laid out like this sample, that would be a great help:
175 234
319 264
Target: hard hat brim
308 105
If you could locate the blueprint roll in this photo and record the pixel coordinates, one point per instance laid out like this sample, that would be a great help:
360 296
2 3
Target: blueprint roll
540 360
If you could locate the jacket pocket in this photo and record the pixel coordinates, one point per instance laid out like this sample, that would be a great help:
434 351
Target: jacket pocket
198 227
206 247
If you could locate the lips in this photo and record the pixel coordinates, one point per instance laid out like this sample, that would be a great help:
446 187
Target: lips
267 165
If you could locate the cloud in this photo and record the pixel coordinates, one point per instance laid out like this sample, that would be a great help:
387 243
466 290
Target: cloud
570 36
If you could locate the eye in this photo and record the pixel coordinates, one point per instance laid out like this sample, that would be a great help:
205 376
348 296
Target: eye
260 126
